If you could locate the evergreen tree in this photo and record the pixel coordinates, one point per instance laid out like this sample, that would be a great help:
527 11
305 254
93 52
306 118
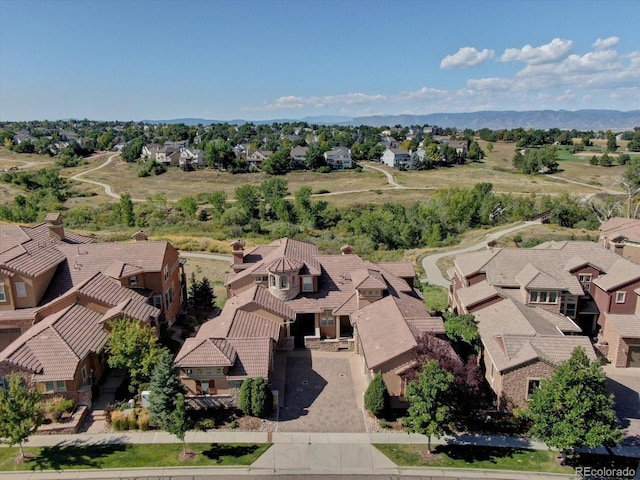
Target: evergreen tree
572 408
19 412
376 398
261 398
246 390
164 389
429 412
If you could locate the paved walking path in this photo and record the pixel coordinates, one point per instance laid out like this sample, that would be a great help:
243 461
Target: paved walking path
432 272
291 453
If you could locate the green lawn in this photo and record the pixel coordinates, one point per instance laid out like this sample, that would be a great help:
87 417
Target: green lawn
70 457
463 456
495 458
436 298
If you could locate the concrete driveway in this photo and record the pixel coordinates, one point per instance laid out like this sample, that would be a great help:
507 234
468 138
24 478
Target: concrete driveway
323 393
624 383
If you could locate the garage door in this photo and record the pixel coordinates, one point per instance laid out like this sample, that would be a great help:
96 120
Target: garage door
634 355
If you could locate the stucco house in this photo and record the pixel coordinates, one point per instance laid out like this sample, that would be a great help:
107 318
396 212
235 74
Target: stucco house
622 236
59 290
534 306
287 295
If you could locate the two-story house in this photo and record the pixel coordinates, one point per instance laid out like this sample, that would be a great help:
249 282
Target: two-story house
56 286
396 157
255 158
299 156
286 294
534 306
191 158
338 158
622 236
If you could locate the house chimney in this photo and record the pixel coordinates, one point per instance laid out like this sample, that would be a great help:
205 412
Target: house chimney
346 249
238 252
56 225
140 236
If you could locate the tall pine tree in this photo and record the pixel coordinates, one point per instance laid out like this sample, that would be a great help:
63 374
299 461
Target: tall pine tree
164 390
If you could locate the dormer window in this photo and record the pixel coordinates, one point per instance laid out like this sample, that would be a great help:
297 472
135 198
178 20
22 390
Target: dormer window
621 297
585 281
307 284
543 296
133 280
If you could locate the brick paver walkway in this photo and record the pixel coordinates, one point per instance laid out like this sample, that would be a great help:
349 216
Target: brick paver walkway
320 394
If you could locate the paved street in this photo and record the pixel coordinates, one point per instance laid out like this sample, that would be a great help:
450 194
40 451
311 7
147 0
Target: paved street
624 383
320 394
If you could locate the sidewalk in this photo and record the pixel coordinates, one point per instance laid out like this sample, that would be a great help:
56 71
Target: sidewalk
293 454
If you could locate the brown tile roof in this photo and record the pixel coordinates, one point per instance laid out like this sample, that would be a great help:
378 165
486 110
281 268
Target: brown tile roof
616 228
259 295
239 324
503 267
108 291
621 273
253 358
32 250
627 326
203 352
367 278
475 294
84 261
399 269
390 327
53 348
284 264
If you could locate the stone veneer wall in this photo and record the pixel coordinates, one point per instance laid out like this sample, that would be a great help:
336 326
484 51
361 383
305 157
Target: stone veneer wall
618 350
515 382
332 345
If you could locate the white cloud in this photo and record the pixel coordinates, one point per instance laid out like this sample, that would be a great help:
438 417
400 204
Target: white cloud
605 43
424 93
556 50
297 103
466 57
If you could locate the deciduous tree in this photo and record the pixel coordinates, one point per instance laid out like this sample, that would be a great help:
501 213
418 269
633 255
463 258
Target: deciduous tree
19 411
572 408
134 347
429 413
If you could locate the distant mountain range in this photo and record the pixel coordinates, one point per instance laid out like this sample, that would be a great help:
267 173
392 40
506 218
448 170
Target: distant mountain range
494 120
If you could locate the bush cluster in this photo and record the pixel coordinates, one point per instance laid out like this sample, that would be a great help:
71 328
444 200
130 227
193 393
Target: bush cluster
376 398
256 398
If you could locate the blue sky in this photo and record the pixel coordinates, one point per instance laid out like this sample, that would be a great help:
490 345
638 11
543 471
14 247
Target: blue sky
162 59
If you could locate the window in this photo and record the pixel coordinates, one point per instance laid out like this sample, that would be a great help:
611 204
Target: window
284 282
133 280
3 297
585 281
261 278
157 301
21 289
369 293
272 280
4 384
85 377
327 319
532 385
568 305
543 297
621 297
166 272
294 281
55 386
307 284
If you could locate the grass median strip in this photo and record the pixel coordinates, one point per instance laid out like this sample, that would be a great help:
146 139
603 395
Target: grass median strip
69 457
466 456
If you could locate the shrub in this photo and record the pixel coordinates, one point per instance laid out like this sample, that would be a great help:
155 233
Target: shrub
261 398
244 401
119 421
376 398
131 421
143 421
233 424
325 169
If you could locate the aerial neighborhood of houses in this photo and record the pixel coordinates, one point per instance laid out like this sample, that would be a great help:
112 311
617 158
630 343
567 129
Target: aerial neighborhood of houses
59 291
